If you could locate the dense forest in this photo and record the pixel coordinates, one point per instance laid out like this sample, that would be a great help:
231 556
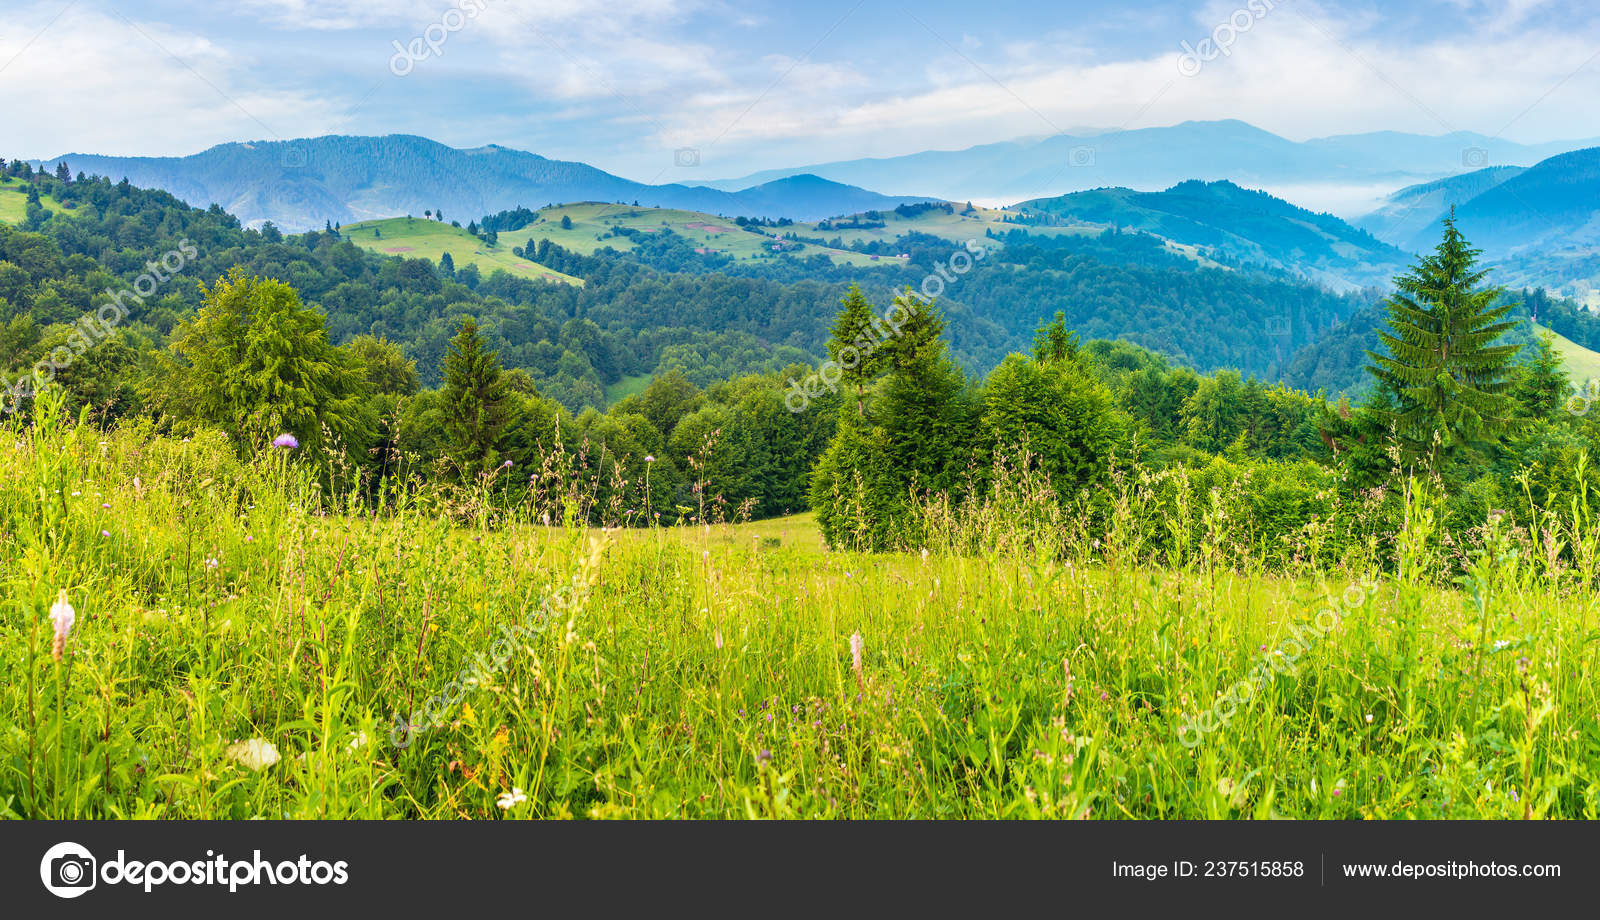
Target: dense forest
137 309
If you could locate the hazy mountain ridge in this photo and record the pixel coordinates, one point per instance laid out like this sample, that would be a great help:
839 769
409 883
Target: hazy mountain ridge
1157 158
301 184
1416 208
1246 225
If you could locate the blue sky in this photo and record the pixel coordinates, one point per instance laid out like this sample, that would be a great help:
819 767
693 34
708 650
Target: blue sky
757 84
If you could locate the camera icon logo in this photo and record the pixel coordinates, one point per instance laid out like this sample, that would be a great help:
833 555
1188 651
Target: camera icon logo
68 870
1474 158
686 156
1080 156
293 158
1580 402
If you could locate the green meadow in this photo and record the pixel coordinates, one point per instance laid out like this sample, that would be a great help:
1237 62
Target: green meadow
421 238
248 639
14 202
591 224
1582 364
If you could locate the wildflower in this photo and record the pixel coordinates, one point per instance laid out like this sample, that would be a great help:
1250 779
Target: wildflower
256 754
1501 644
285 441
63 616
924 554
510 800
506 465
649 459
211 563
856 644
718 638
104 505
765 756
1369 718
105 533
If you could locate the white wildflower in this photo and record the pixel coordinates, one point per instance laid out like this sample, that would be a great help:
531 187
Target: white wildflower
256 754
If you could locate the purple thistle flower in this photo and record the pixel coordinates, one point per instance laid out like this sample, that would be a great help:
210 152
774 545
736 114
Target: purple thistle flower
105 533
285 441
506 465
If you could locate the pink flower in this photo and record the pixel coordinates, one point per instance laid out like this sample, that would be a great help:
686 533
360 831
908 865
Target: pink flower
62 616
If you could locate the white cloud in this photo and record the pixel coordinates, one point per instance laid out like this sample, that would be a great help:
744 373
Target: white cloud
1298 71
93 82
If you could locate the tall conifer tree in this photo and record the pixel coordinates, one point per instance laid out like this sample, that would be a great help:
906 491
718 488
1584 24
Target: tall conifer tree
1446 384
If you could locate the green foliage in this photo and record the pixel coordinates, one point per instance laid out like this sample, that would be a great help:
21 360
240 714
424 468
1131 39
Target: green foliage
1059 412
255 360
476 402
1448 382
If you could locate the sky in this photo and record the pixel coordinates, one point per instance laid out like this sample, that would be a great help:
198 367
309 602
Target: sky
626 85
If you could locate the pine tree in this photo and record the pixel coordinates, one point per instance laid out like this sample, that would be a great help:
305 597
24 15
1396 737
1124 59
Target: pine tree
1543 384
854 343
1447 386
62 172
447 264
920 406
477 402
1055 342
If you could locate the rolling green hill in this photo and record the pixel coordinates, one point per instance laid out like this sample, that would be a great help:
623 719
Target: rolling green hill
592 224
419 238
1249 226
1582 363
14 202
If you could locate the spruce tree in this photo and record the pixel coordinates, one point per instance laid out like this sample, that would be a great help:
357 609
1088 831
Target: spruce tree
1445 387
921 409
1543 386
1054 342
477 402
854 345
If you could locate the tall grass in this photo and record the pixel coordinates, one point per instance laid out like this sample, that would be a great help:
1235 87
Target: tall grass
1039 659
